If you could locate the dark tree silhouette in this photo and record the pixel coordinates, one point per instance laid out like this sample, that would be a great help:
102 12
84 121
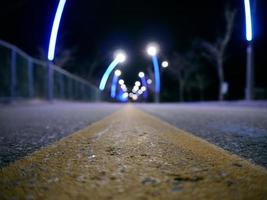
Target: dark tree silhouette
215 52
182 67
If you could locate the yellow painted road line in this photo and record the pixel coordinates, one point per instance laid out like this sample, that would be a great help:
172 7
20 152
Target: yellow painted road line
132 155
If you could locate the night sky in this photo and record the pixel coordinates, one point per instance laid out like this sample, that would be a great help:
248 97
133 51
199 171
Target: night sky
96 28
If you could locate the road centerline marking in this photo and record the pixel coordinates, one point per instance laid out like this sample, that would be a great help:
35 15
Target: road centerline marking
132 155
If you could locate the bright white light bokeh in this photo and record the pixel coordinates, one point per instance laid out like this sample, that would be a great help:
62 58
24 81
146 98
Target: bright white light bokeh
152 50
134 97
143 88
123 87
121 82
141 74
140 92
137 83
118 72
125 95
165 64
120 56
149 81
135 89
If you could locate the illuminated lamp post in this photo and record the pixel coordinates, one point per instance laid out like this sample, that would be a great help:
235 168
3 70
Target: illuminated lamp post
249 93
114 83
152 51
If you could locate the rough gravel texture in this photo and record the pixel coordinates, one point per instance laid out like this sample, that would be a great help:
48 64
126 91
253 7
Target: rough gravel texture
132 155
240 128
25 128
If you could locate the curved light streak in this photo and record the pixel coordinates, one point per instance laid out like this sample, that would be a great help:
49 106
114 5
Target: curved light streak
107 74
54 32
249 33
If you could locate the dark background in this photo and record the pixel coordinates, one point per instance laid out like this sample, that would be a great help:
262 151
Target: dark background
96 28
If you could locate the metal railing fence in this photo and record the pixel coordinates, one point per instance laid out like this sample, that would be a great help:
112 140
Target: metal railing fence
24 77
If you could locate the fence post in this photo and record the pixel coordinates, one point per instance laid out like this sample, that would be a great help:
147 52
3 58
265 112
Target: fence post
30 78
98 97
75 89
70 88
50 82
13 85
61 83
82 91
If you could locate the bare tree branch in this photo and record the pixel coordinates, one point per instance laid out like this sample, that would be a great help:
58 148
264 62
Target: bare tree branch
216 52
182 68
230 18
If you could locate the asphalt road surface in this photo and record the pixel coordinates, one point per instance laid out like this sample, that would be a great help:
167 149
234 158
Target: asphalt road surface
133 155
238 128
26 128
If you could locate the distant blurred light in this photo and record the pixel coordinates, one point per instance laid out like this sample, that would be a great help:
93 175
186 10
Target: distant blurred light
249 33
121 82
140 92
135 97
131 95
152 50
125 95
143 88
54 32
118 72
123 86
141 74
137 83
120 56
135 89
164 64
149 81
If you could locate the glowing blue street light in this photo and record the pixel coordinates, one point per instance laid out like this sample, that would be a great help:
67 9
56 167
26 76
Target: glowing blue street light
152 50
249 32
157 74
249 91
116 76
120 58
54 32
122 96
